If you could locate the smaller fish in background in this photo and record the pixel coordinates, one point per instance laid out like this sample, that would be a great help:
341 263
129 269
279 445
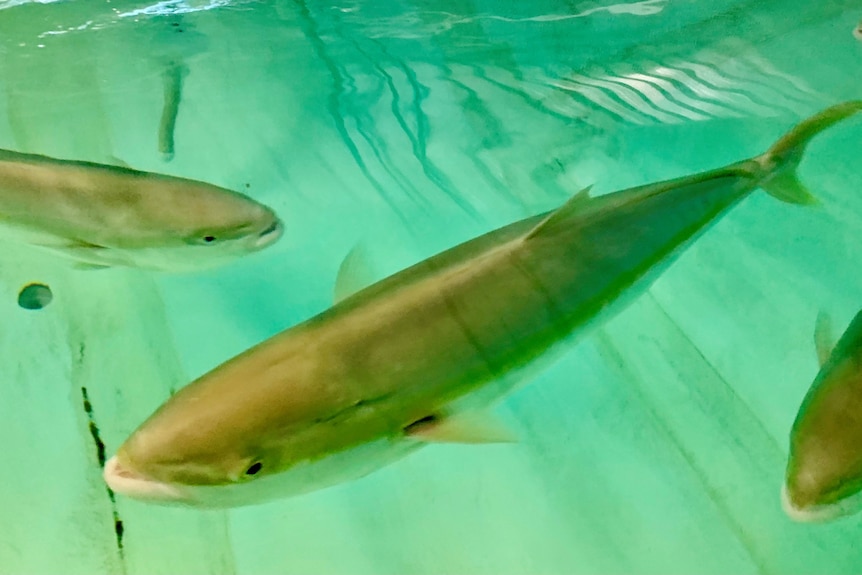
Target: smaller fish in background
857 31
173 83
823 480
100 215
34 296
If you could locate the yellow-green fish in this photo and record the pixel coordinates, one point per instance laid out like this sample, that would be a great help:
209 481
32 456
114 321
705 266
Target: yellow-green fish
101 215
824 470
421 355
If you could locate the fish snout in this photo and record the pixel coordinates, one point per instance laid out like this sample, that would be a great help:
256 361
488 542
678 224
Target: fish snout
807 480
270 235
791 505
123 479
805 510
809 497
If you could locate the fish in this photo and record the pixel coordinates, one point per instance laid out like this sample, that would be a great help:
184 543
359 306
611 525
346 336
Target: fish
823 478
102 215
857 31
173 89
424 355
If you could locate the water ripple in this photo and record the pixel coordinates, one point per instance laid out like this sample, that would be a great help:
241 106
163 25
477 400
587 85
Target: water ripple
702 88
411 26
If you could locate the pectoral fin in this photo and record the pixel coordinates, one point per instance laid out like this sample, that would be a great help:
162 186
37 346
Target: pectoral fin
354 274
473 427
824 340
87 256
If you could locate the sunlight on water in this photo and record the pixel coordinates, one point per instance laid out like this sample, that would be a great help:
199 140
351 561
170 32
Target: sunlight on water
175 7
13 3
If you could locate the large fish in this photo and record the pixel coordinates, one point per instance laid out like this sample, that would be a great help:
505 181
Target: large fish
101 215
824 470
421 355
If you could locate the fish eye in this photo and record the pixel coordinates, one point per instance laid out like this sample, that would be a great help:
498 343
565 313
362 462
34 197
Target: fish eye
254 468
204 239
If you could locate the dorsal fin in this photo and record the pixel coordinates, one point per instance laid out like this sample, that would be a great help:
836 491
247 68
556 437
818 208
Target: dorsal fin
824 340
354 274
115 161
572 206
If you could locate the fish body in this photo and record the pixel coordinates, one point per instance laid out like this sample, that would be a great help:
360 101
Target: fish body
422 354
824 469
100 215
174 74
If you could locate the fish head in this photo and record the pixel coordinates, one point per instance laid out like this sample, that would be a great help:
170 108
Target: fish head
215 217
182 225
230 439
227 231
169 485
185 483
193 452
244 433
823 478
220 243
812 499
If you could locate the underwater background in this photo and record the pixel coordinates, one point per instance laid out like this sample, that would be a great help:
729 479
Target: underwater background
656 445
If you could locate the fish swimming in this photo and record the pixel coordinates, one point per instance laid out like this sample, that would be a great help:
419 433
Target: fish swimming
422 355
173 89
824 469
100 215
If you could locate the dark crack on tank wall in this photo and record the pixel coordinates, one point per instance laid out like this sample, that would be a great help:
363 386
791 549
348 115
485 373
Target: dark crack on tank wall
100 456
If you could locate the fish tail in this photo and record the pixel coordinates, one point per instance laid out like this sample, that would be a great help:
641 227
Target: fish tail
782 159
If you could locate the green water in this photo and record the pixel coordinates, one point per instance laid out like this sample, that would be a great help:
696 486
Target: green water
658 443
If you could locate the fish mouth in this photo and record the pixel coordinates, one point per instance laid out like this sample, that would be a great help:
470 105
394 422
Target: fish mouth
270 235
816 513
126 481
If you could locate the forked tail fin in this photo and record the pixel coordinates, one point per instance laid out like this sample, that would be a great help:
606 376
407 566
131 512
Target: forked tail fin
782 159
